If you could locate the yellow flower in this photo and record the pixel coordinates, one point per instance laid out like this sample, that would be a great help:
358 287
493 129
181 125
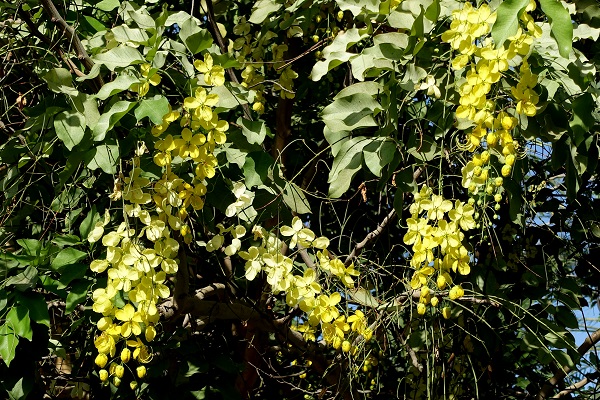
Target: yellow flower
149 77
298 233
463 215
201 103
326 308
436 207
214 75
420 276
125 355
105 344
131 319
141 371
188 145
446 312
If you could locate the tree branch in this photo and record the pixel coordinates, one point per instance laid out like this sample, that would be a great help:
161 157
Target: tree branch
577 386
369 238
69 31
372 235
35 32
558 377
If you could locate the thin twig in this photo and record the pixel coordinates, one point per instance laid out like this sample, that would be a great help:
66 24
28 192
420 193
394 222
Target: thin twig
210 14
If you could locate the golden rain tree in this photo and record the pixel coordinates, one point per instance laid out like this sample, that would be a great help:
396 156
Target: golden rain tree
299 199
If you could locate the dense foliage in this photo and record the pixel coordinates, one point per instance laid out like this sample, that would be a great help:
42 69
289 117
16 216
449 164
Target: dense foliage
299 199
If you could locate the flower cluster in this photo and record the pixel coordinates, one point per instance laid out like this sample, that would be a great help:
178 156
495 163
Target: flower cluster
300 288
483 65
436 233
143 251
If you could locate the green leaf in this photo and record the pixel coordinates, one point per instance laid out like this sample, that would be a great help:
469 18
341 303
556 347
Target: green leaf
346 164
386 54
363 297
24 280
507 20
195 38
561 25
122 56
66 257
122 82
351 112
256 168
378 154
155 109
70 127
125 34
59 80
563 359
77 295
583 118
262 9
66 240
425 148
70 273
231 95
18 319
36 304
255 131
336 54
8 343
31 247
357 7
565 316
108 5
108 120
18 392
3 299
104 156
88 222
94 24
295 199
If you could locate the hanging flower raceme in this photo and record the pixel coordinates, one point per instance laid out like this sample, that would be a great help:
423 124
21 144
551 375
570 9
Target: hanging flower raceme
139 260
436 232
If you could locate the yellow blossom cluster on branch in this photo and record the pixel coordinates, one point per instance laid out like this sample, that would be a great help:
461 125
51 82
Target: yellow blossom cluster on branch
143 251
436 233
302 289
482 66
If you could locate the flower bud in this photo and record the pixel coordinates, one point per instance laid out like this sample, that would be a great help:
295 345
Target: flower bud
141 371
119 371
103 375
346 346
116 381
125 355
101 360
446 312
